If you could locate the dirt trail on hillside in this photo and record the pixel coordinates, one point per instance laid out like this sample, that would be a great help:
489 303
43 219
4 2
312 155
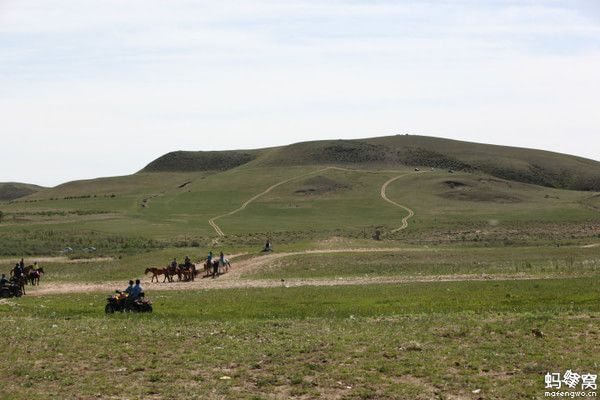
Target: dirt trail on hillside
411 213
220 232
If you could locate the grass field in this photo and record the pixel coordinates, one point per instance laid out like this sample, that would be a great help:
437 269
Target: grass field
436 340
437 261
442 308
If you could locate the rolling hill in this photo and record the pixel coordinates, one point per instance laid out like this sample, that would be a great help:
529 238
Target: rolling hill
314 191
511 163
13 190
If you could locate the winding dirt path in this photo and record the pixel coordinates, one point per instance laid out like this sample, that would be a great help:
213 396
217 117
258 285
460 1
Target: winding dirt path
411 213
212 222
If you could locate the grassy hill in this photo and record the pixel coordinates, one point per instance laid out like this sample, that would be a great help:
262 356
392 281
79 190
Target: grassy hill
511 163
297 197
518 164
13 190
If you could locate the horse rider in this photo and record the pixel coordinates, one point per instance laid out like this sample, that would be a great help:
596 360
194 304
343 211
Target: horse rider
187 262
222 259
3 280
22 264
174 264
18 270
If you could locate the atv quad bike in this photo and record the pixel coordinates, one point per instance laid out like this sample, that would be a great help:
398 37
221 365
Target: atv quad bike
120 302
10 290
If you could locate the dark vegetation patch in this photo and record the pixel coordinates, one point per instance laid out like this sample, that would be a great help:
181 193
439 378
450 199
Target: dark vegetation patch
190 161
481 195
455 184
429 158
320 185
13 191
184 184
483 190
353 152
328 152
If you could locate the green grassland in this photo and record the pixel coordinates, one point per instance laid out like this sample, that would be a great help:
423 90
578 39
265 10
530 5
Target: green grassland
403 262
152 210
421 341
418 262
518 231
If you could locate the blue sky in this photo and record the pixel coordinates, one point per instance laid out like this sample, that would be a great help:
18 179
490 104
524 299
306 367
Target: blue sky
96 88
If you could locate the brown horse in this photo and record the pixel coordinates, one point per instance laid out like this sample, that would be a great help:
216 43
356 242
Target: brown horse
188 271
208 268
33 276
156 272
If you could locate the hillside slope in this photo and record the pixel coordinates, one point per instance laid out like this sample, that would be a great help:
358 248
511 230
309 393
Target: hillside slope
518 164
197 161
512 163
14 190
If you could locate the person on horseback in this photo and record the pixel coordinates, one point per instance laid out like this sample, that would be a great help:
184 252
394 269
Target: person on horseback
213 264
3 280
222 259
174 263
187 262
18 270
22 264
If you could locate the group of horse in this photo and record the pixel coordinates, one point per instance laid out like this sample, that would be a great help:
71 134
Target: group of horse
31 276
187 272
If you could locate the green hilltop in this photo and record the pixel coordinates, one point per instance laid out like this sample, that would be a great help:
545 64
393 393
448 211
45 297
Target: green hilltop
518 164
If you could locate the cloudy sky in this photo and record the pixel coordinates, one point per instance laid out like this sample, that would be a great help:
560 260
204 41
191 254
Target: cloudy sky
101 87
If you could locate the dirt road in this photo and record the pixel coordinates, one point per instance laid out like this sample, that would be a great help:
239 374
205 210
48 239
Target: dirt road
233 278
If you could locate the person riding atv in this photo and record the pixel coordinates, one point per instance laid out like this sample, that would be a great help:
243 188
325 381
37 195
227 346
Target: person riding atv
9 289
132 301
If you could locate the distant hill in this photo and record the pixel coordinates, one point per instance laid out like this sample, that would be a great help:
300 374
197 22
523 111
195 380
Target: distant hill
512 163
192 161
13 190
